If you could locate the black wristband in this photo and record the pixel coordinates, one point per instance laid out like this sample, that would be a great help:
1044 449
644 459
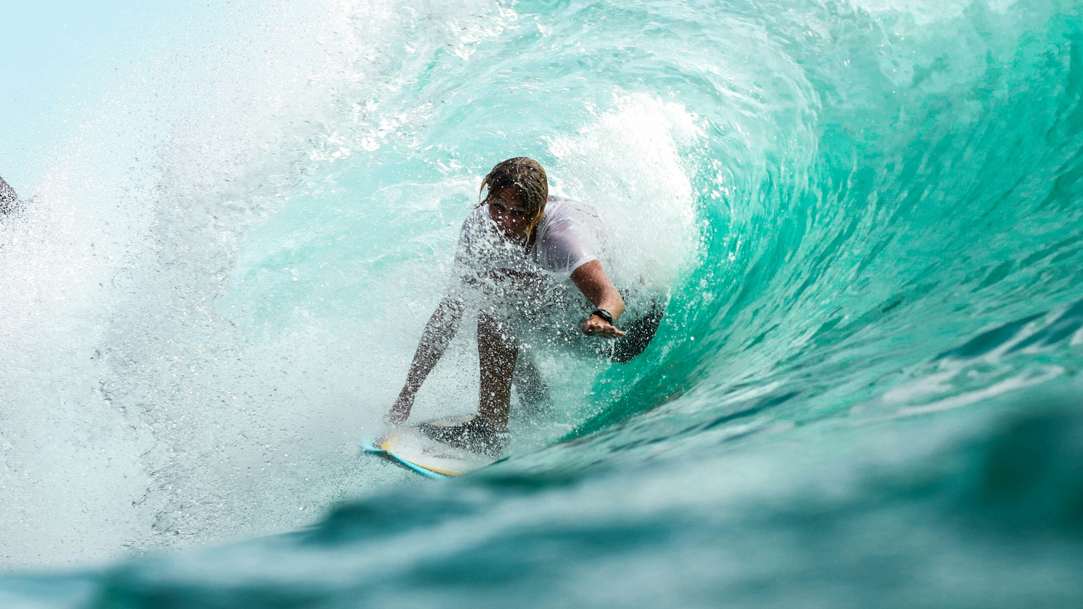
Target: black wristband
605 315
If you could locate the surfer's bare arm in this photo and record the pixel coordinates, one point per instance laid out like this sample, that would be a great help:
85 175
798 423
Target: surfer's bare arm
438 333
592 281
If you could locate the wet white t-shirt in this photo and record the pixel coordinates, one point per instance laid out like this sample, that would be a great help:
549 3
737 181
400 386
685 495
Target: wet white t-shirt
570 235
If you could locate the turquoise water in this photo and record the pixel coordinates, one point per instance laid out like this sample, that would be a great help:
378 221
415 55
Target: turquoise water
865 393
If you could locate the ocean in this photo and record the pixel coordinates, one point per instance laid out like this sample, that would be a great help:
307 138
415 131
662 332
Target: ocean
237 217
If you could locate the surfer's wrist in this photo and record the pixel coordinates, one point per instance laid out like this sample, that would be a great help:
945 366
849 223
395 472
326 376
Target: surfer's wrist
604 315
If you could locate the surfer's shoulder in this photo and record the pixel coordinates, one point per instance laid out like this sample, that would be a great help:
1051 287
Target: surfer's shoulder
565 210
559 207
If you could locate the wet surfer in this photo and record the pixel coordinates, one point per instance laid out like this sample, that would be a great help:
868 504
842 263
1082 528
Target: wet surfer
514 245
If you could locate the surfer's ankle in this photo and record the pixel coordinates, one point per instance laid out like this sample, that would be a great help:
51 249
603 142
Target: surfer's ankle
489 425
488 438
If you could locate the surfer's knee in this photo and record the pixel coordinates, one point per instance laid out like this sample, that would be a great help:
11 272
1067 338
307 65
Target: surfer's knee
497 345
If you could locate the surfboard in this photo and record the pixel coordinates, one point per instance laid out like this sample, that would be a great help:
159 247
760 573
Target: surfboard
412 449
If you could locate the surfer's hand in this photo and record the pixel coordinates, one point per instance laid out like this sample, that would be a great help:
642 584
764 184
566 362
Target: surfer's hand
596 326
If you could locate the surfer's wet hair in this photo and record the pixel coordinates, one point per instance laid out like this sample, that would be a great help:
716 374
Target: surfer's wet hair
526 177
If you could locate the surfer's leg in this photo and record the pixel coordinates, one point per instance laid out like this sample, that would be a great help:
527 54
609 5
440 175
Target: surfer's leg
497 352
532 390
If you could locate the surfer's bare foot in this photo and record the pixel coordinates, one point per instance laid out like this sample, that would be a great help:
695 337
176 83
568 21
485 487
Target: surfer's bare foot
475 435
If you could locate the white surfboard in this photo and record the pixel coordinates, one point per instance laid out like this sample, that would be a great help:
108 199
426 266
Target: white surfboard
428 457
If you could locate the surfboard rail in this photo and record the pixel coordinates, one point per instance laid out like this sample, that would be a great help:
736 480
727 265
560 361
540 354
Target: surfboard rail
409 447
428 473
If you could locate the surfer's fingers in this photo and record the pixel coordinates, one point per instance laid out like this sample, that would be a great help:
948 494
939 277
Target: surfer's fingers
600 328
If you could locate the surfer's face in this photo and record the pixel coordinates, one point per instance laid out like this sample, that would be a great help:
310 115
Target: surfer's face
509 213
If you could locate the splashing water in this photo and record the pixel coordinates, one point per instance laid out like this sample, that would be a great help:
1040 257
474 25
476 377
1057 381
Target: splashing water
867 216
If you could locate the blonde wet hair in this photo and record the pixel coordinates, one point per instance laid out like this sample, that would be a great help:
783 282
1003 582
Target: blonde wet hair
526 177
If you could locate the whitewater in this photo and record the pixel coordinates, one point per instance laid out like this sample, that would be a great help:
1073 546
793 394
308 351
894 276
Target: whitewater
866 216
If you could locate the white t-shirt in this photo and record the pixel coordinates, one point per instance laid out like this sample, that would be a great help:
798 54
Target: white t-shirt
569 235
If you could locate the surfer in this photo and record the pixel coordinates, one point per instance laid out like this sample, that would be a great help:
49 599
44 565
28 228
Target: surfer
8 199
514 244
